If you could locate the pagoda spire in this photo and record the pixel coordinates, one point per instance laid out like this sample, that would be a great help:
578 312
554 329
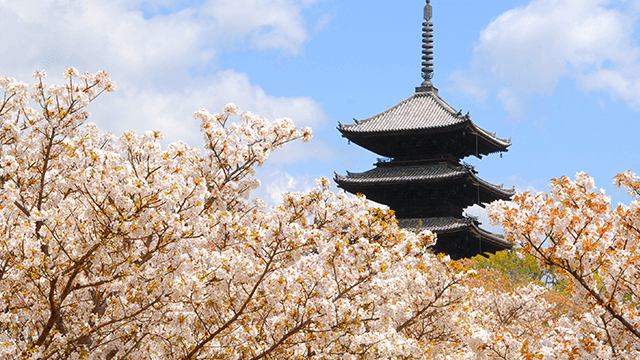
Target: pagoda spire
427 52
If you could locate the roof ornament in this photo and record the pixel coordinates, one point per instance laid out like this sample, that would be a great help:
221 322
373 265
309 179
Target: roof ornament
427 52
427 11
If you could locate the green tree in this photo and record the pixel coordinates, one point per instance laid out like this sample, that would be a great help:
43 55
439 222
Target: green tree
519 268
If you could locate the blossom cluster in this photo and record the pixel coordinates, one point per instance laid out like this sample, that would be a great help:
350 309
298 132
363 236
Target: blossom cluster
575 230
112 247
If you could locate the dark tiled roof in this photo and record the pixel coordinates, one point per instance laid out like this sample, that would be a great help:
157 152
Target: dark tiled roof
437 224
402 174
496 239
415 174
421 111
451 224
498 188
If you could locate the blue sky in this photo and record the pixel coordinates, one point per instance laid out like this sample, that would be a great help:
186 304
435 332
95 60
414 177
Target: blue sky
560 78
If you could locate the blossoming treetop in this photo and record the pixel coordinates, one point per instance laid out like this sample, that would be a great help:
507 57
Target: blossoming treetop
114 248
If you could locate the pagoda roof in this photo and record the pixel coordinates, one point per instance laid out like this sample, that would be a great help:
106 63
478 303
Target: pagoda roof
443 225
422 112
385 175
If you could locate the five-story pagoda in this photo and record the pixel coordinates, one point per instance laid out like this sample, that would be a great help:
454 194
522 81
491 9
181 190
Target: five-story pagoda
424 139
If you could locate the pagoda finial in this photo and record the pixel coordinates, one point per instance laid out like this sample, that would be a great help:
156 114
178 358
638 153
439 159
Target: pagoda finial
427 52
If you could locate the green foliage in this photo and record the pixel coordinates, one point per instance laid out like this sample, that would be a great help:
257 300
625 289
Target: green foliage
518 268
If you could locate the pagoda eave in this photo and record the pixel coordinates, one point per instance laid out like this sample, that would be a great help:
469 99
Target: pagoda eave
427 198
418 176
420 113
458 237
462 140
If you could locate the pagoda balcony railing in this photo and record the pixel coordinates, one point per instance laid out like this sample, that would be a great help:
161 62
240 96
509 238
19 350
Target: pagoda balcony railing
416 160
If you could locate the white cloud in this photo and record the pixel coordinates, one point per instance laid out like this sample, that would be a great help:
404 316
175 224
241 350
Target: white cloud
521 185
116 33
96 35
481 213
511 102
171 111
230 86
266 24
276 182
148 47
469 85
316 150
529 49
622 84
324 20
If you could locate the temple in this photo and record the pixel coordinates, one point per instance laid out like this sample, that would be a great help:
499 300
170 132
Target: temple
423 140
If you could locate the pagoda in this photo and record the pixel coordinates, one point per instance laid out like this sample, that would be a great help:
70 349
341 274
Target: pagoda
423 140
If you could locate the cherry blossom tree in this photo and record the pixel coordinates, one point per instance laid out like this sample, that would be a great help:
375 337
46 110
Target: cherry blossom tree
574 230
114 248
